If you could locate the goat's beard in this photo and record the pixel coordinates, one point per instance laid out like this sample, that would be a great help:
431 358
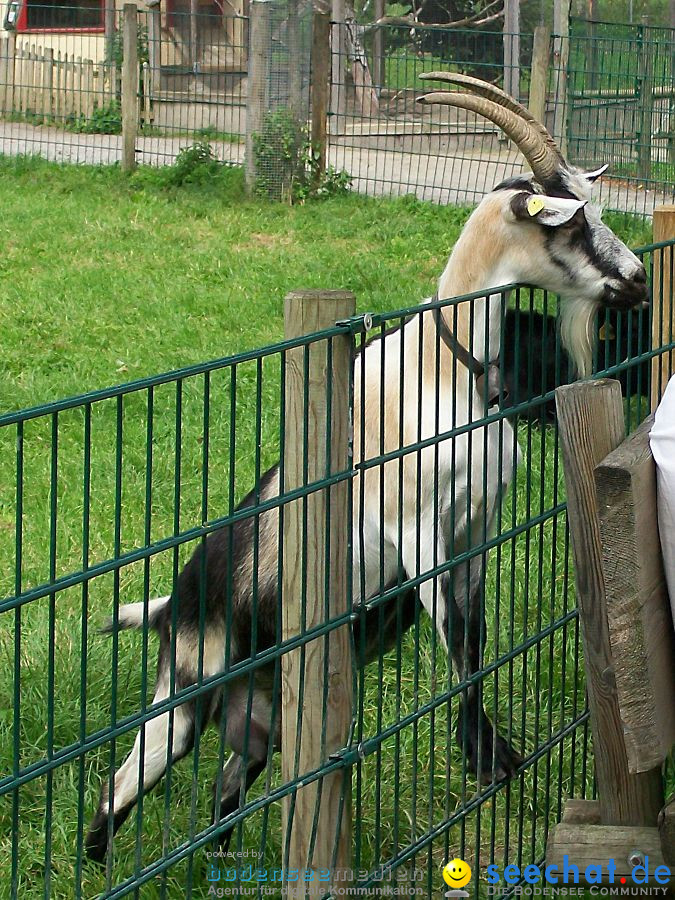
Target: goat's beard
576 330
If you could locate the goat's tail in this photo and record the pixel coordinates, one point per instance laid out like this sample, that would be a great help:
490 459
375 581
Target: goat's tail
131 615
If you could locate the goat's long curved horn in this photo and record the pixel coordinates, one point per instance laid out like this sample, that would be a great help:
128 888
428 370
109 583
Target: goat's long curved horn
497 95
545 162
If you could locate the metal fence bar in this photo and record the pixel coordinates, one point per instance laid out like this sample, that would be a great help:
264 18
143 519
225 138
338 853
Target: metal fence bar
123 516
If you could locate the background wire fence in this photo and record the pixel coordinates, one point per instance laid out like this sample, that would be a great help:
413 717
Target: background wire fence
622 106
609 98
102 499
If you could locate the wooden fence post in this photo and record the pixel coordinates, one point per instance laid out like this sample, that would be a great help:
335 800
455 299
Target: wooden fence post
591 424
645 102
320 87
129 86
663 312
294 41
561 54
320 725
512 48
379 62
259 59
541 52
154 50
109 21
338 87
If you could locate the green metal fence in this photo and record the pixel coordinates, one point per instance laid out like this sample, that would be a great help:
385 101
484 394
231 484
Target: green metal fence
103 498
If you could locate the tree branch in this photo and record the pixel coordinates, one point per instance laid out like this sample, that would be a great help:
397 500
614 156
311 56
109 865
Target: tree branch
412 22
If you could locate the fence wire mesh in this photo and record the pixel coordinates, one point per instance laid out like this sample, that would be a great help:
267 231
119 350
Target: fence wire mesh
609 97
106 496
389 143
61 86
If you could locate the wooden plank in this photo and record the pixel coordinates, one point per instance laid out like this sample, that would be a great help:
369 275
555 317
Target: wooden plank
7 71
129 86
48 107
663 314
581 812
23 79
78 83
314 727
56 85
591 424
68 95
88 88
31 101
594 845
541 53
39 81
319 89
638 609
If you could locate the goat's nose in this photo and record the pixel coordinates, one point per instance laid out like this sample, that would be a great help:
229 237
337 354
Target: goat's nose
640 277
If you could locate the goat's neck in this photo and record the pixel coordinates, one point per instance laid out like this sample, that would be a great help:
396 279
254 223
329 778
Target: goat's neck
475 266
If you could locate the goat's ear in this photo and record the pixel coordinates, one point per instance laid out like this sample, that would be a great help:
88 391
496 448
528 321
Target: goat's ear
593 176
552 211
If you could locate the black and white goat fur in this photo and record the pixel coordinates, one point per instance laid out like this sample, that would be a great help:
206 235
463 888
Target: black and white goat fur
537 229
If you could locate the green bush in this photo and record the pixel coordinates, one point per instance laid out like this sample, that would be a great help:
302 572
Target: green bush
104 120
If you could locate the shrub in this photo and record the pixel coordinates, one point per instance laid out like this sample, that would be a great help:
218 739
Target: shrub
287 164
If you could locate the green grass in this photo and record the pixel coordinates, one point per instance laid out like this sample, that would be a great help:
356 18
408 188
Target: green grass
106 278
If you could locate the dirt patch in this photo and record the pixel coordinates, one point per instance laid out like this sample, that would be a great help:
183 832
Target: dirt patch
265 240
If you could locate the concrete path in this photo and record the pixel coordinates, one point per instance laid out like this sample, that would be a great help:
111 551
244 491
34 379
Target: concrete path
383 171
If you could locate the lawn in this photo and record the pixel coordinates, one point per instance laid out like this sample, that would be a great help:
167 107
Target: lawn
107 278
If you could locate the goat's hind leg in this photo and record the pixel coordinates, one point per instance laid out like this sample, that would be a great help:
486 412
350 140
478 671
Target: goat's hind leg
134 777
489 755
250 726
227 796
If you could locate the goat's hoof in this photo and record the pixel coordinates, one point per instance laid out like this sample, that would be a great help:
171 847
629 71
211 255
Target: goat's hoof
96 841
498 760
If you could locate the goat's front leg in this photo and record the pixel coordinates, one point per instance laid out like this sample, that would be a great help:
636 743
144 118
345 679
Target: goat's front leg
488 754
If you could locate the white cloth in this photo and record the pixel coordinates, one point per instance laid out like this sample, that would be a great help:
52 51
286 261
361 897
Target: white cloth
662 441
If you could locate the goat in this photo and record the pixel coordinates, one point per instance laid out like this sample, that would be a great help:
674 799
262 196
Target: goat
533 362
538 229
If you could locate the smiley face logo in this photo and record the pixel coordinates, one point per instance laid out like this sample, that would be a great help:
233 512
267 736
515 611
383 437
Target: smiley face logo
457 873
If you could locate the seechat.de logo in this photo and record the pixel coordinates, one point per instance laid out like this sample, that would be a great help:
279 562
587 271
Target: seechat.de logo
456 875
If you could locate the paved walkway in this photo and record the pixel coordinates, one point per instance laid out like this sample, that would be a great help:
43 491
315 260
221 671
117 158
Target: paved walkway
385 170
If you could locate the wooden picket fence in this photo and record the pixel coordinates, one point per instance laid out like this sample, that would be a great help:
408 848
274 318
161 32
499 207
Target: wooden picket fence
37 81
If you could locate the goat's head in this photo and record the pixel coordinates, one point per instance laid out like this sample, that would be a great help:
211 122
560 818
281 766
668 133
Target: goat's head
554 237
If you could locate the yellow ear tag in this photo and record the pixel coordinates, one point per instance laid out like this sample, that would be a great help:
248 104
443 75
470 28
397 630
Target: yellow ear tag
606 333
535 205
